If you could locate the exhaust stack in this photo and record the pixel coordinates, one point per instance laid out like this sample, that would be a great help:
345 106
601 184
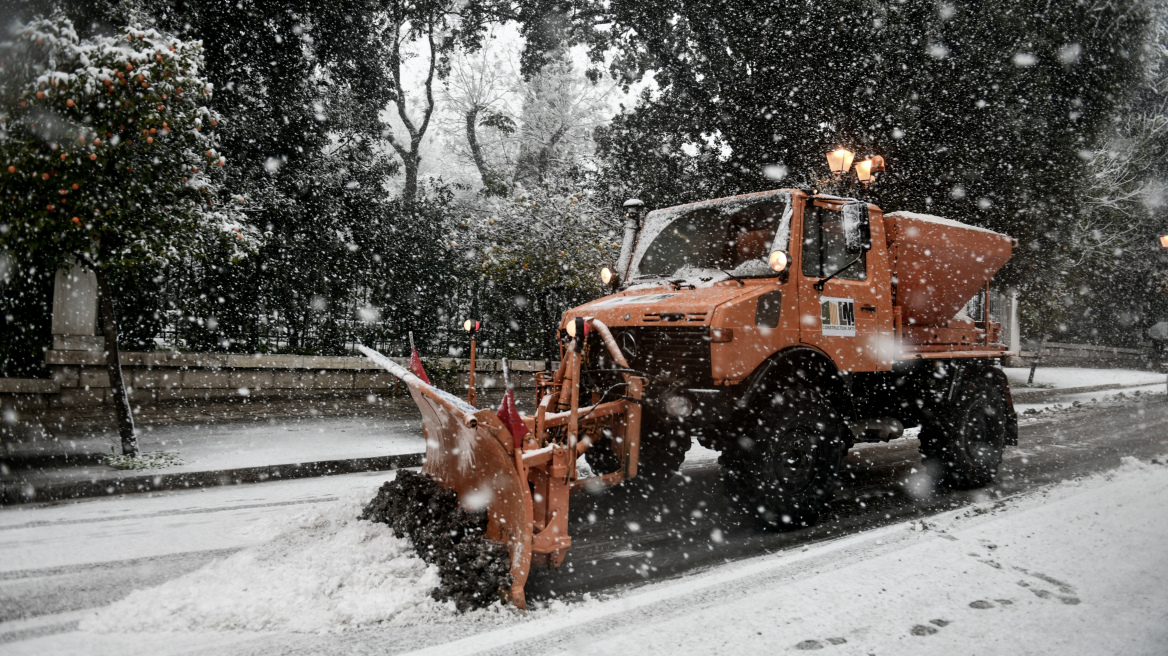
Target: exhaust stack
633 211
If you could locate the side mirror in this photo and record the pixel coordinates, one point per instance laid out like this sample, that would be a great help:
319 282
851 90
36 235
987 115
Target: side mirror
857 228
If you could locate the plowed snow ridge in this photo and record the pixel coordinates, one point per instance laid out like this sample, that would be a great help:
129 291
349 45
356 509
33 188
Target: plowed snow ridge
323 571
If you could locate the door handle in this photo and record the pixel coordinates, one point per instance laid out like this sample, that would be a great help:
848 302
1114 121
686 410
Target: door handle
868 308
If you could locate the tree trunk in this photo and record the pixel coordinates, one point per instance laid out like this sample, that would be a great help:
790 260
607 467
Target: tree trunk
1037 357
546 323
113 360
410 190
476 151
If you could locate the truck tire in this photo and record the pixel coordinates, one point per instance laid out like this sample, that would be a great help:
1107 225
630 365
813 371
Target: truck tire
962 445
785 469
663 448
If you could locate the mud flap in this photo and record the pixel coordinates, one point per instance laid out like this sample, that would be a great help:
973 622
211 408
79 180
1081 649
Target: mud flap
471 452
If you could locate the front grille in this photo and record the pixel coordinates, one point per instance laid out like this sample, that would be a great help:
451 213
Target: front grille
667 354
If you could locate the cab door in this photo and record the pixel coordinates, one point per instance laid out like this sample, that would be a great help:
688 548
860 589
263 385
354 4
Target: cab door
848 319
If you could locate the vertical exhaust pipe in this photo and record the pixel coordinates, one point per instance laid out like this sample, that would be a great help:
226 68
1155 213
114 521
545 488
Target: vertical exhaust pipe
633 211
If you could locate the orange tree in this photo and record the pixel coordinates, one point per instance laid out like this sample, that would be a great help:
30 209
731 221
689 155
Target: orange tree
109 159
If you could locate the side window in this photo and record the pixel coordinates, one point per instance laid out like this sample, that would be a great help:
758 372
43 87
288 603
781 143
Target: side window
825 248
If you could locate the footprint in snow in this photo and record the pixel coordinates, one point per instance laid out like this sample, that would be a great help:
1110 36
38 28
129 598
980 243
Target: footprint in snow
922 630
815 644
1069 600
925 629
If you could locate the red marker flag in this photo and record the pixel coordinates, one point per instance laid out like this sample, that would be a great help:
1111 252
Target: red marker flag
509 415
416 362
416 367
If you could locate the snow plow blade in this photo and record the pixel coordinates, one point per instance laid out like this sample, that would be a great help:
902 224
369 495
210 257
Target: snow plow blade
523 484
465 453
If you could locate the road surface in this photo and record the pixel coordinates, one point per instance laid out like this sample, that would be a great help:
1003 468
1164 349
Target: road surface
57 561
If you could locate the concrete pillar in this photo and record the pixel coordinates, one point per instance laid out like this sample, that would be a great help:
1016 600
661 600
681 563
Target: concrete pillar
75 311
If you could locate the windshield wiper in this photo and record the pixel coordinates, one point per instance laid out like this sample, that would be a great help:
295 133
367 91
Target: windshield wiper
740 281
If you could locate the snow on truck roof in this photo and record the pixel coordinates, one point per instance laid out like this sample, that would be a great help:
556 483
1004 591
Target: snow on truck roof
940 220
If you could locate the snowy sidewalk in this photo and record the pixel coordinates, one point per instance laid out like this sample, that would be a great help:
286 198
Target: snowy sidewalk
231 452
1055 386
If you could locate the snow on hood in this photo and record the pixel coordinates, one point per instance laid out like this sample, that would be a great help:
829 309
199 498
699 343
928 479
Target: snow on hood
323 571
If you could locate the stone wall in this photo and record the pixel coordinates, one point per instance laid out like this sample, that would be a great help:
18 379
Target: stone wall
80 378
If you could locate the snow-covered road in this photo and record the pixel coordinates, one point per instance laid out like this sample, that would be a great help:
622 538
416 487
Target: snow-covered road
679 573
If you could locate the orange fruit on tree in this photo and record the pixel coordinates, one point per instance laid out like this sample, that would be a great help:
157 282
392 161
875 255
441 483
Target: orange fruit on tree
69 102
44 176
12 169
77 221
149 140
40 95
92 157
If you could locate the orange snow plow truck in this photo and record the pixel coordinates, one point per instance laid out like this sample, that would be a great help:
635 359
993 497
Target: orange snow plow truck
778 328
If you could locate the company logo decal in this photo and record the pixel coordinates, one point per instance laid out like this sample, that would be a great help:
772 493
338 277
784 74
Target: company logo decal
838 316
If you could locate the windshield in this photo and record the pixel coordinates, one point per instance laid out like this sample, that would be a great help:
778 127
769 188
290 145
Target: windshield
735 239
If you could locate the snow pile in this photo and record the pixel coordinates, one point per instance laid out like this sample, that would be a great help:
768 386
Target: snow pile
325 571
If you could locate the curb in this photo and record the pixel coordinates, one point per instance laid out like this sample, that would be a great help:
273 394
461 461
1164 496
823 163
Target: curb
19 492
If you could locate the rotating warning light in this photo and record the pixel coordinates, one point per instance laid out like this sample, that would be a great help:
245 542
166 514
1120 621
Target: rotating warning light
470 325
607 275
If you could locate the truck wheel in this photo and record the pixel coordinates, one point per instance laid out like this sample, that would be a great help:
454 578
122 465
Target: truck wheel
785 469
663 447
963 445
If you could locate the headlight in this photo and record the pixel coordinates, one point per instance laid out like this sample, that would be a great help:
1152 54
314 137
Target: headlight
779 261
607 275
678 405
577 326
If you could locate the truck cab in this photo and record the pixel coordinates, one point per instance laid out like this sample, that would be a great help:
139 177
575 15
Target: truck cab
784 326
